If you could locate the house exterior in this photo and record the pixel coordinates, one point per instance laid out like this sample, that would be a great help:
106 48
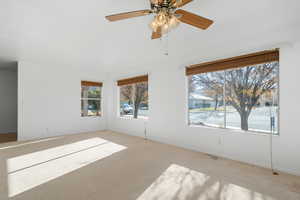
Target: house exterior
199 101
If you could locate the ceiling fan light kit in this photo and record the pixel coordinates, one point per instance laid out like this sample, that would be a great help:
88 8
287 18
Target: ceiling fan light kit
167 16
165 21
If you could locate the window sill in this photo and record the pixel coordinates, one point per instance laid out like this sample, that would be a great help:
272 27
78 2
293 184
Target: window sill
90 117
234 131
132 118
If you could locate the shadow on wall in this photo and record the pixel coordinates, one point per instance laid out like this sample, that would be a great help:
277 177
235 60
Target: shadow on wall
8 101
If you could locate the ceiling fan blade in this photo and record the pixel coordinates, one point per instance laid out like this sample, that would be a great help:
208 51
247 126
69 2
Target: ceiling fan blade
127 15
180 3
192 19
157 34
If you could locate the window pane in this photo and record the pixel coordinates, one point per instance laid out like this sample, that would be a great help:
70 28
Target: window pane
90 92
90 101
90 108
141 100
126 101
252 98
206 104
134 100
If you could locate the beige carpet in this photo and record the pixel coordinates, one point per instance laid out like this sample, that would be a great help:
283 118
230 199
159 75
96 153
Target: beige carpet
112 166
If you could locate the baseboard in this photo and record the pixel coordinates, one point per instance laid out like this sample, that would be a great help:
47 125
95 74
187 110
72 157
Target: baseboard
57 134
263 164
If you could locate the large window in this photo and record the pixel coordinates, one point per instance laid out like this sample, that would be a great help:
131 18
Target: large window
243 98
134 97
90 98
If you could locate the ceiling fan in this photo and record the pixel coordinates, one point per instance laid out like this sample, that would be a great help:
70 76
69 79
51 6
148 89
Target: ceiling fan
167 16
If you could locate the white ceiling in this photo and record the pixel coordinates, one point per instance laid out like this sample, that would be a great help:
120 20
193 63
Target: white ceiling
75 32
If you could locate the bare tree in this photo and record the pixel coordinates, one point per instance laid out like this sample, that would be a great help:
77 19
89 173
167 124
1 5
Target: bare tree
126 93
140 95
211 84
135 95
244 86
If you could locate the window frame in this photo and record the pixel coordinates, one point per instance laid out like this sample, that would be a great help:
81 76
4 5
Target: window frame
99 99
137 79
236 130
119 105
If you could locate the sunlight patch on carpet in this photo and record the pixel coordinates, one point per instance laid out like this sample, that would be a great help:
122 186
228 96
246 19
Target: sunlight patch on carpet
28 171
181 183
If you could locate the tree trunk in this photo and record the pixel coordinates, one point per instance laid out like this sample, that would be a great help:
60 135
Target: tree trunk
216 102
136 110
85 103
244 121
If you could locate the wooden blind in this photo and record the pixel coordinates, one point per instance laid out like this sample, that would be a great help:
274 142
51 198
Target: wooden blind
90 83
235 62
133 80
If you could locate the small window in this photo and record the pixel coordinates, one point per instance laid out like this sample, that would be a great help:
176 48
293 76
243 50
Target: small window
134 97
236 97
90 98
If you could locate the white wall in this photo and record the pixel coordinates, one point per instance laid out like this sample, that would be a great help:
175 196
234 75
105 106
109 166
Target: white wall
168 118
8 100
49 100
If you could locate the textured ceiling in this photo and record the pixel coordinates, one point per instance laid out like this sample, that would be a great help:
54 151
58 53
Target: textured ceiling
75 33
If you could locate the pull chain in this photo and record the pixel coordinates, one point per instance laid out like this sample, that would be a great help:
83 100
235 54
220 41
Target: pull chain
164 40
167 45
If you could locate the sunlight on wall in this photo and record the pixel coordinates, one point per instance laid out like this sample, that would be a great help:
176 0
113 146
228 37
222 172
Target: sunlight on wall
181 183
28 171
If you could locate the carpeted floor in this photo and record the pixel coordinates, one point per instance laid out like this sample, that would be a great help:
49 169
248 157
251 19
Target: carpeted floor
112 166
